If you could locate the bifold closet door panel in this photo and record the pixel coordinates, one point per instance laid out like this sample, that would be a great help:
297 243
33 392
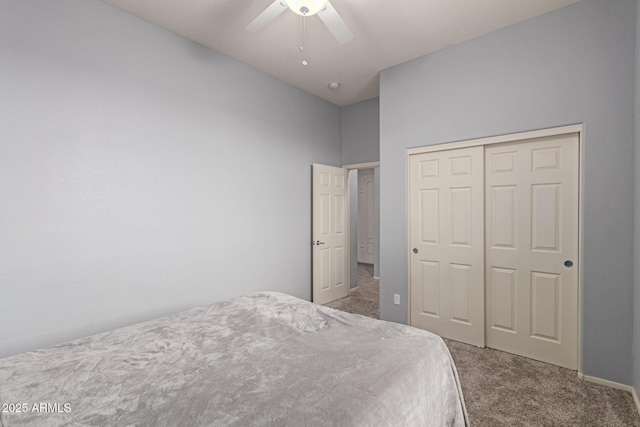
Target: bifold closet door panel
447 243
531 236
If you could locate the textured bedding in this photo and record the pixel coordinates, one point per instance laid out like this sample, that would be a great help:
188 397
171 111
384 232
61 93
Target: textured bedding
264 359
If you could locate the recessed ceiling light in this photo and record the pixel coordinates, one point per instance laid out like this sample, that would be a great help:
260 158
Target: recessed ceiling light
334 85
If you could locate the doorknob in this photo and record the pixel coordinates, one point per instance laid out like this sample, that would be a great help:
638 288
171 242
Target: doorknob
415 250
317 242
568 263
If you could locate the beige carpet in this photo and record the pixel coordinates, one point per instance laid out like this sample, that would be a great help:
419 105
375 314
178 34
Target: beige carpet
502 389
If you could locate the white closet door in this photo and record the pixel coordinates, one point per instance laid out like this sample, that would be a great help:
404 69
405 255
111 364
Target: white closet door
447 243
532 248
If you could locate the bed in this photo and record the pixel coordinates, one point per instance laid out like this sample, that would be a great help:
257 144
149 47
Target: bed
263 359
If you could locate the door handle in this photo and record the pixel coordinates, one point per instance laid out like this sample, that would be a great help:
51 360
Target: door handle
568 263
317 242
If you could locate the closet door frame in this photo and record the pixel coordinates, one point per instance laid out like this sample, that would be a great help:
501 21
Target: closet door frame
577 128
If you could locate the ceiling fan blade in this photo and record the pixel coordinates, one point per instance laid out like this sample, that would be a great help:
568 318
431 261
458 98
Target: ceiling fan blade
334 22
267 16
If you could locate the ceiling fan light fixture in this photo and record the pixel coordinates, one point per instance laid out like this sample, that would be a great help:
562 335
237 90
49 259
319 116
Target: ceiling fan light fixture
306 7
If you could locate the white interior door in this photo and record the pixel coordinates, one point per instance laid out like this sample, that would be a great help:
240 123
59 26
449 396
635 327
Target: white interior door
532 248
330 234
365 215
447 243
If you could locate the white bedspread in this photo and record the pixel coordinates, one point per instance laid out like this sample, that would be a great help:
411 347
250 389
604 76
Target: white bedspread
264 359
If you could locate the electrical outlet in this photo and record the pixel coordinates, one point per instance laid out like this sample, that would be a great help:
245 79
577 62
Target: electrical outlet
396 299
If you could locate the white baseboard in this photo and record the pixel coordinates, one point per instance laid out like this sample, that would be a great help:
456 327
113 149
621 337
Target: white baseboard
635 399
608 383
376 277
353 289
613 384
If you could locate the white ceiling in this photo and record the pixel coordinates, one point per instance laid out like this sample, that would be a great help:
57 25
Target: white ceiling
386 33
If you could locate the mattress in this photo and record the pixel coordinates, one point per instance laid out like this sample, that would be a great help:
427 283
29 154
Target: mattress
263 359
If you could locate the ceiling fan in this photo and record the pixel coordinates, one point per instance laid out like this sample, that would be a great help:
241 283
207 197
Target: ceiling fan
323 8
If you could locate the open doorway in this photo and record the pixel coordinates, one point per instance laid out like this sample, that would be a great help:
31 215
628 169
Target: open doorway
364 194
364 292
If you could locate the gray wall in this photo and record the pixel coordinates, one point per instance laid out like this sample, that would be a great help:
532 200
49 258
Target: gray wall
636 246
376 224
142 173
360 136
574 65
360 131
